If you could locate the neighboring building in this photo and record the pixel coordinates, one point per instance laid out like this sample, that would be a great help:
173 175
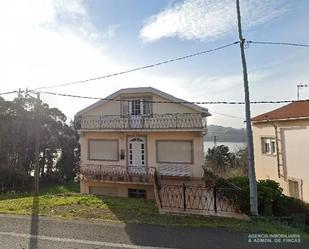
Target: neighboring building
281 148
134 133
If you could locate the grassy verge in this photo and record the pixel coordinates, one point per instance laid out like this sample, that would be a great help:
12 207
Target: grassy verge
65 202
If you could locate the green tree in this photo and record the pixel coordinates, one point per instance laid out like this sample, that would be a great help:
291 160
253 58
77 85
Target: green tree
221 161
59 149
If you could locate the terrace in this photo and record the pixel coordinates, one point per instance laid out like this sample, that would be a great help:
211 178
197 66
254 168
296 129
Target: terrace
174 121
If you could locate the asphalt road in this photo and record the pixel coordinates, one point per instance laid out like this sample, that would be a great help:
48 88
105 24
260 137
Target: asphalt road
17 232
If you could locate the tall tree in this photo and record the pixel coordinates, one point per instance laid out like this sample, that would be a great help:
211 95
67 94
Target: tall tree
59 149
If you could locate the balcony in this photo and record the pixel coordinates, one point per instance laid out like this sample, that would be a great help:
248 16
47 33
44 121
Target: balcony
120 173
117 173
178 121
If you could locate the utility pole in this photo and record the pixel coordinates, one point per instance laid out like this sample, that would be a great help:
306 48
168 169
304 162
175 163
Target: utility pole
37 145
251 168
298 88
19 93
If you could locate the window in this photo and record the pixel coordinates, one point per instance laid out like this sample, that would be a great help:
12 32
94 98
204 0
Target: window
294 189
174 151
138 106
268 145
106 150
147 105
135 107
137 193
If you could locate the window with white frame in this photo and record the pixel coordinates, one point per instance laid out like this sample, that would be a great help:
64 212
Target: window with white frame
106 150
268 145
294 189
137 106
174 151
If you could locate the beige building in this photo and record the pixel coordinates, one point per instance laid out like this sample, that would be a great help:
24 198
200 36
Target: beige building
135 133
281 148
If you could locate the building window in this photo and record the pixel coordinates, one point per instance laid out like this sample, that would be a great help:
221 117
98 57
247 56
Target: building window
147 106
137 106
294 189
268 145
106 150
137 193
174 151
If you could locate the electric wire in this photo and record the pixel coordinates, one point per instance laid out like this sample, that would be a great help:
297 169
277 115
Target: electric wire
5 93
139 68
175 102
279 43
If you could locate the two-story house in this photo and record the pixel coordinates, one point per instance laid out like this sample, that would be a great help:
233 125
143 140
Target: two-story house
135 133
281 148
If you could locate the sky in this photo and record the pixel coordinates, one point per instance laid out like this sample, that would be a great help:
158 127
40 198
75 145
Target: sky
47 42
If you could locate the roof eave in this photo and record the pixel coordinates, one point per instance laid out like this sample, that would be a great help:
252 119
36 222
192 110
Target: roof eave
279 119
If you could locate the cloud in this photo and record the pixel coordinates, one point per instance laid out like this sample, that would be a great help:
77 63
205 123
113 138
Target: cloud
208 19
45 41
48 42
111 31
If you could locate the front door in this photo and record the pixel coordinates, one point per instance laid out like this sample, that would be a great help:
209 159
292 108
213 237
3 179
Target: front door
136 154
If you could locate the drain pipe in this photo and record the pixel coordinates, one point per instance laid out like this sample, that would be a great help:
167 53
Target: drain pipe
277 149
277 146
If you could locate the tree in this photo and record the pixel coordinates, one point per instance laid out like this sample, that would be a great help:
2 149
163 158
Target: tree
221 161
218 158
59 149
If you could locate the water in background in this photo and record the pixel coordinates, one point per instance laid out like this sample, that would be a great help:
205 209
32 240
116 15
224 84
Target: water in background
232 146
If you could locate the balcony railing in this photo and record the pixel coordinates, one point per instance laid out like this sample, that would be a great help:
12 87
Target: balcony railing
154 121
132 173
116 173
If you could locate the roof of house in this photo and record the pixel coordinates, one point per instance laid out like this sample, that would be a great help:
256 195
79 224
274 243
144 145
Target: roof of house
295 110
145 90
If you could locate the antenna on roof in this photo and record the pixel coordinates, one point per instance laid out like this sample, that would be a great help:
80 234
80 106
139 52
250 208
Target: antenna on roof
299 86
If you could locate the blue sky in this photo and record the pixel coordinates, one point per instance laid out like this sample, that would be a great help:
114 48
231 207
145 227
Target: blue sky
47 42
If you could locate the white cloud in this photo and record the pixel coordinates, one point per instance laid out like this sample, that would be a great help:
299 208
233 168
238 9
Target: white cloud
45 41
111 31
208 19
49 42
73 7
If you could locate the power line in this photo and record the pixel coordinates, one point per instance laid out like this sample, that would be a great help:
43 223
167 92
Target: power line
138 68
226 115
174 102
5 93
279 43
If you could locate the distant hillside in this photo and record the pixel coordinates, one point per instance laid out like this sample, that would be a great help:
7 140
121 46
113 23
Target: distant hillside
225 134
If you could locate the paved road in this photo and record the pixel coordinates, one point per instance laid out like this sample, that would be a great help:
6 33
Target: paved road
17 232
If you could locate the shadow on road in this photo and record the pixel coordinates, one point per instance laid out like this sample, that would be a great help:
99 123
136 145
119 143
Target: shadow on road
33 243
180 237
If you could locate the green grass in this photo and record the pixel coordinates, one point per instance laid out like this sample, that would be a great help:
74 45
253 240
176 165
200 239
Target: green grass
65 202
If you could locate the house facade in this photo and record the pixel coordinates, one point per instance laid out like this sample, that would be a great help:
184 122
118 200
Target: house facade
137 133
281 148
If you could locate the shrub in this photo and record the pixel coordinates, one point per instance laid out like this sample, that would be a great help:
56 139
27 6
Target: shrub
243 198
271 200
269 197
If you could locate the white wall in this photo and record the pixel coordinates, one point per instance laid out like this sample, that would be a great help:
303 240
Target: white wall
296 141
293 141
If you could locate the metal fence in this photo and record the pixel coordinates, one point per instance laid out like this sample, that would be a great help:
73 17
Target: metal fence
191 197
116 173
